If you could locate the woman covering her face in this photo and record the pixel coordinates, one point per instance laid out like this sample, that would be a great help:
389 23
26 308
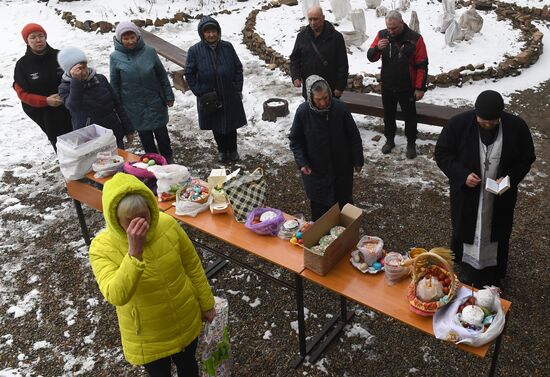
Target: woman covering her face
147 267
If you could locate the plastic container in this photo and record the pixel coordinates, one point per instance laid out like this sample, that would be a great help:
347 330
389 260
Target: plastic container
394 271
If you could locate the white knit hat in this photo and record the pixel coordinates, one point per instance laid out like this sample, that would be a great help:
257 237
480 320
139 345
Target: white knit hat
124 27
69 57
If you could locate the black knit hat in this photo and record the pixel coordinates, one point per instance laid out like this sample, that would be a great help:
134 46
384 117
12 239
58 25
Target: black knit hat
489 105
210 25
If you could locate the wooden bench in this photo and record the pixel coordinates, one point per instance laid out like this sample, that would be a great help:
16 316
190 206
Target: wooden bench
370 104
359 103
165 48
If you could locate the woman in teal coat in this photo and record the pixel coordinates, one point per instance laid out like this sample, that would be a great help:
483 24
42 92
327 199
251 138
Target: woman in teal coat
140 81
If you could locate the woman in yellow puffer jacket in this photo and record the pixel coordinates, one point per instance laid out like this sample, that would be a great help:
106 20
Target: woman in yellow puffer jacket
146 266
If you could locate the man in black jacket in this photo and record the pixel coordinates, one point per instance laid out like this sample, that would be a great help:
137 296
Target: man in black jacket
319 50
327 147
403 76
476 145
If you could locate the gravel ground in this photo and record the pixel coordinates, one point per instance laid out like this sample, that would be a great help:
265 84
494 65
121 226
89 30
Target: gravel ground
81 327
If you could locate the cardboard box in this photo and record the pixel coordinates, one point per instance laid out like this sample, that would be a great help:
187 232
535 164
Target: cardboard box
350 217
220 176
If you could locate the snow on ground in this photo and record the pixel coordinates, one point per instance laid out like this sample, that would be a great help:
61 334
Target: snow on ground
27 155
494 40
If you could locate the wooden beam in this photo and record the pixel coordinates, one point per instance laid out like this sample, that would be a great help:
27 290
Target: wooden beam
370 104
165 48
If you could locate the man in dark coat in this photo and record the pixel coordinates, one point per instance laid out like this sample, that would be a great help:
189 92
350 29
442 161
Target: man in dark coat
327 147
403 76
36 78
476 145
90 98
213 66
319 50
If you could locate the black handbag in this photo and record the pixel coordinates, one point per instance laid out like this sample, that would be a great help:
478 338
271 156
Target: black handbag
210 103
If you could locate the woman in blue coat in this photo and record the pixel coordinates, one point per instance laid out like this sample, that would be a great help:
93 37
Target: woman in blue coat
140 81
213 66
89 96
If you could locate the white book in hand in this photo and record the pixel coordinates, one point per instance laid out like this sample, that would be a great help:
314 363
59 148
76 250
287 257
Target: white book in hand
498 188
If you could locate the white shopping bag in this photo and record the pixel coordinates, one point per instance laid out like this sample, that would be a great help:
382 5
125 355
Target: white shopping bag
214 348
77 150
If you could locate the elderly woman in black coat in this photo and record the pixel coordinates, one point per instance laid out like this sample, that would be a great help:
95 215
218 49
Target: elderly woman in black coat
327 147
215 75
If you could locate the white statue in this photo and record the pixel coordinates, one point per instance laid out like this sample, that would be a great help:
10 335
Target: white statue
448 15
373 4
381 11
453 34
358 20
358 36
414 24
470 22
306 4
404 5
340 8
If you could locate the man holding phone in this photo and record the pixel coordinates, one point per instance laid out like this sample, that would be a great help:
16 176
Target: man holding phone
403 76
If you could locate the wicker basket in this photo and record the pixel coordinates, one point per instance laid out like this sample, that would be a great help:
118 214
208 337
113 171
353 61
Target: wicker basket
430 262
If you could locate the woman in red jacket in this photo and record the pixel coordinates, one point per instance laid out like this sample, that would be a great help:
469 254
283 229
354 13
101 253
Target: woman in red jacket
36 79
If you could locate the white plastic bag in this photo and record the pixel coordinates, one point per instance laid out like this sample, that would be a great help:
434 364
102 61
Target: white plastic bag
169 175
190 208
340 8
446 328
107 166
372 249
77 150
214 348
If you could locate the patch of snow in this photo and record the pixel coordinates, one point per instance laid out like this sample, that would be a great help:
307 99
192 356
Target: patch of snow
267 335
256 302
41 344
25 305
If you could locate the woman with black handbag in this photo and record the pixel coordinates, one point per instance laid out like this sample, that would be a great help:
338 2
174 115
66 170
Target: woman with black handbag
215 75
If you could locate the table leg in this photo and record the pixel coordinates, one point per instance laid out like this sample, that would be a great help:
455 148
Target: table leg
82 221
299 294
494 360
332 329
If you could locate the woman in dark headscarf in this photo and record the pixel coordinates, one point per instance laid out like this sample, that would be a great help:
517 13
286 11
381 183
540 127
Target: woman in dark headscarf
215 75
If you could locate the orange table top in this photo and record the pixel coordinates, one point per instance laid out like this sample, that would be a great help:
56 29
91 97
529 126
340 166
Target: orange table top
226 228
372 291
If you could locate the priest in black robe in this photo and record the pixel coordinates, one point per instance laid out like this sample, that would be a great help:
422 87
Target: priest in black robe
476 145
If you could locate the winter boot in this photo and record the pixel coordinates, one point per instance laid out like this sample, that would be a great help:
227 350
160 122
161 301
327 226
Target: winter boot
411 150
386 148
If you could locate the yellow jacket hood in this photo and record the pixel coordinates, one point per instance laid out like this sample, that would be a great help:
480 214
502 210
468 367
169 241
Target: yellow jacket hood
114 191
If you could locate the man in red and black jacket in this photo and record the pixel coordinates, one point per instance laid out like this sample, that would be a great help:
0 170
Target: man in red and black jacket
403 76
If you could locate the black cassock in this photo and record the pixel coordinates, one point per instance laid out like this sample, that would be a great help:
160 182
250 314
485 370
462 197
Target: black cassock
457 155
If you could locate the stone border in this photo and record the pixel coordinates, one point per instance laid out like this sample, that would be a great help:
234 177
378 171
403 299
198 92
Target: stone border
520 17
107 27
